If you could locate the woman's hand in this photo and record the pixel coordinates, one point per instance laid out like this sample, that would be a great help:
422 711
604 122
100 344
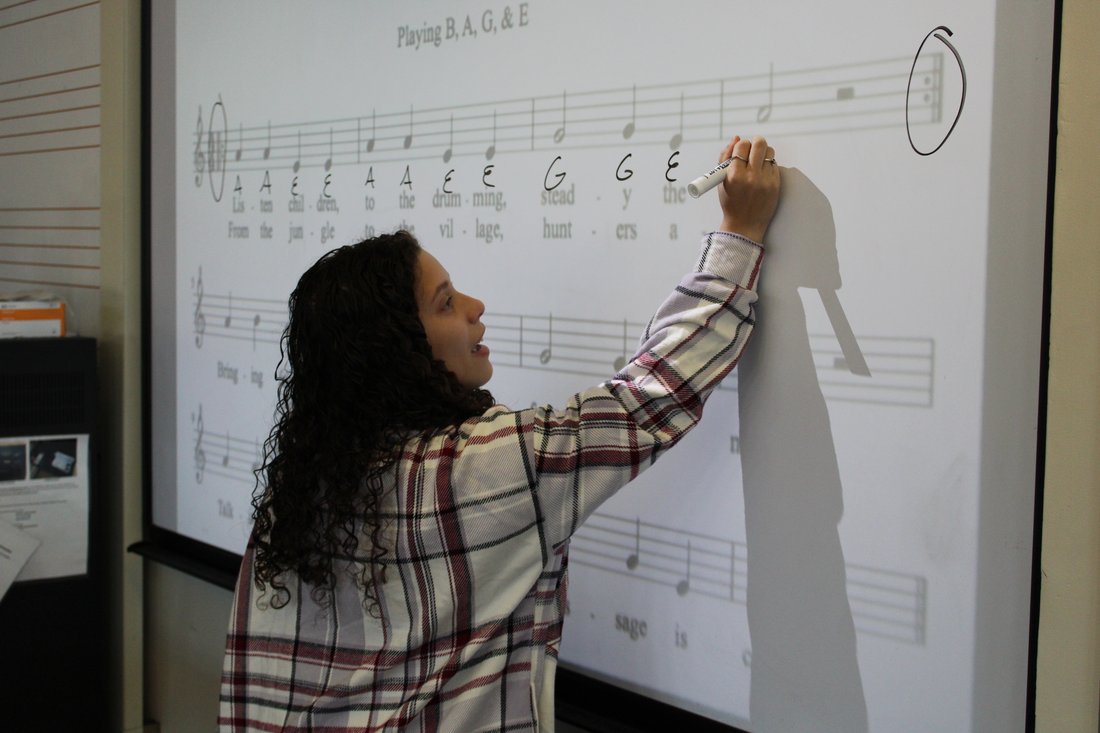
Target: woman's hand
750 193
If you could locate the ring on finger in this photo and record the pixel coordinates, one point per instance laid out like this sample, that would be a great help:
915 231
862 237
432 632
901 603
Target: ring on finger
740 157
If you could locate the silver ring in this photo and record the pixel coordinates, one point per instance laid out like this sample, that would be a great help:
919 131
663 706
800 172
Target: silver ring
770 160
739 157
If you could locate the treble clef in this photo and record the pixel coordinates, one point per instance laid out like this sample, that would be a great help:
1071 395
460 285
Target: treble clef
200 157
200 319
200 454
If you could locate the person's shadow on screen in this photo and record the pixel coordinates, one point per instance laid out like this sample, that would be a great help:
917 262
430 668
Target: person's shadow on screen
805 674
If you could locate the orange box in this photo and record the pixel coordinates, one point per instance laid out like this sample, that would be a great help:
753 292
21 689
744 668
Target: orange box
31 318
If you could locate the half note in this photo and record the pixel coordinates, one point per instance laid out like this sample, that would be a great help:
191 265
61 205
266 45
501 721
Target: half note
764 111
548 352
559 134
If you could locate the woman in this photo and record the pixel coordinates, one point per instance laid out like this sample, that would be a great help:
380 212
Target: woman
408 560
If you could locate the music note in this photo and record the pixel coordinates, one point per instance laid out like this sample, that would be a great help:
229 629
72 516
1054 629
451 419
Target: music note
255 325
298 162
409 138
675 140
632 559
548 352
373 132
200 454
267 150
721 108
492 149
628 130
764 112
229 315
200 318
521 342
240 142
451 143
225 458
328 162
620 361
845 93
684 585
559 134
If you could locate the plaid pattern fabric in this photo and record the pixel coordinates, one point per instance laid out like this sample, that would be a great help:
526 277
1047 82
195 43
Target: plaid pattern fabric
478 523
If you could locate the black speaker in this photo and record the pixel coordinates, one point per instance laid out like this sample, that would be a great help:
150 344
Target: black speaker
54 631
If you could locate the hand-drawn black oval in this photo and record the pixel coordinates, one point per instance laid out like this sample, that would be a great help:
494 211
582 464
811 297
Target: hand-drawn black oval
216 144
934 33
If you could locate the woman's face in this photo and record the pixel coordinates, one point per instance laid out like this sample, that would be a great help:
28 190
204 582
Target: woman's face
452 322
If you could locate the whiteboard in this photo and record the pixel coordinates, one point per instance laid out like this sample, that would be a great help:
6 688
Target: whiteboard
845 543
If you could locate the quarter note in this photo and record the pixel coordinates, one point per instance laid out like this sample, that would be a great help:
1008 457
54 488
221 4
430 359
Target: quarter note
409 138
548 352
764 112
451 142
298 162
632 559
267 150
521 342
240 142
373 132
620 361
492 149
559 134
678 138
225 458
255 325
229 314
684 585
628 129
328 162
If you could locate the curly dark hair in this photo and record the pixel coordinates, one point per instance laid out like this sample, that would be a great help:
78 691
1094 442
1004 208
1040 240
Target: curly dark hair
357 380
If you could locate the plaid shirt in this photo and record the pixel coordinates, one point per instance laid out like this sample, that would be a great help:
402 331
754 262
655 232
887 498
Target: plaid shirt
478 526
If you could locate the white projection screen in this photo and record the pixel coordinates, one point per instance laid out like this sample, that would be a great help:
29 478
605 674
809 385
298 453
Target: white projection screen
846 542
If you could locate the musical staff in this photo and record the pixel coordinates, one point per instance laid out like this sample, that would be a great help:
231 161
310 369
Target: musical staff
821 100
902 369
216 316
884 603
234 458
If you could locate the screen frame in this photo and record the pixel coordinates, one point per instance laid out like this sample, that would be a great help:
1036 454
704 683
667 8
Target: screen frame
582 700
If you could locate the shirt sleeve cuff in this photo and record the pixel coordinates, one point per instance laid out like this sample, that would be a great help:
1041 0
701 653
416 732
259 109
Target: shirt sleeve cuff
731 257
